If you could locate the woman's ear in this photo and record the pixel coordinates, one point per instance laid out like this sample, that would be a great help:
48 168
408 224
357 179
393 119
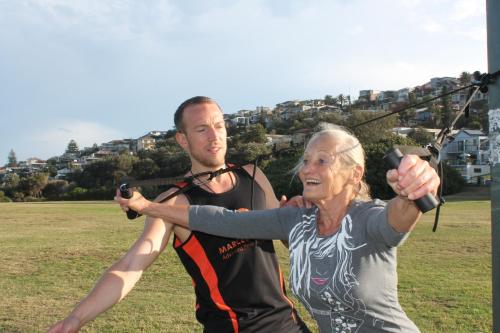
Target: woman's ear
357 174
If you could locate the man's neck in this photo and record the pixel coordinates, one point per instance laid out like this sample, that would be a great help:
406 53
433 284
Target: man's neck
201 168
222 183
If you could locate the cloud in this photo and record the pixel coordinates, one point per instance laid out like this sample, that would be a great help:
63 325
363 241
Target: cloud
356 30
54 140
430 25
98 20
464 9
107 62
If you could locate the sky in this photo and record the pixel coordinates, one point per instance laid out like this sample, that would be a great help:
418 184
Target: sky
99 70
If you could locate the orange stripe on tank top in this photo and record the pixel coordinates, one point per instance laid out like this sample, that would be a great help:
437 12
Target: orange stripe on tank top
282 285
194 249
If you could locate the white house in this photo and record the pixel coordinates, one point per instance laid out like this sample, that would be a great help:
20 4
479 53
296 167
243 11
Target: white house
468 152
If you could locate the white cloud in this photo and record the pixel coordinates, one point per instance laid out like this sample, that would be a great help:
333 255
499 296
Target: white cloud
410 3
476 33
54 140
430 25
464 9
101 20
356 30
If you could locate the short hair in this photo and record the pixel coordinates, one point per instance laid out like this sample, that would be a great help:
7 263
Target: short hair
191 101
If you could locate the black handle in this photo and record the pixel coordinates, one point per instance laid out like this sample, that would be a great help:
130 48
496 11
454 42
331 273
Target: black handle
425 203
127 193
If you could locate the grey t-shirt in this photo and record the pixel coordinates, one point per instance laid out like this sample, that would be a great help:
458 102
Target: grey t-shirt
347 280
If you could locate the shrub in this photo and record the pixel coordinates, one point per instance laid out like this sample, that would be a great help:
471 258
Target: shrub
4 198
452 181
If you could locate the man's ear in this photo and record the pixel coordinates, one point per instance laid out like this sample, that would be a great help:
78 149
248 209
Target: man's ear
181 140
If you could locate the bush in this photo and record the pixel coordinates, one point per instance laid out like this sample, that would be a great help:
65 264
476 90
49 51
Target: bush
4 198
17 196
279 173
54 190
98 193
452 181
376 166
30 198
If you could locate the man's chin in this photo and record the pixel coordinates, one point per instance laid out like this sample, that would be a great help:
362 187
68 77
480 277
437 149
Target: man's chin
212 163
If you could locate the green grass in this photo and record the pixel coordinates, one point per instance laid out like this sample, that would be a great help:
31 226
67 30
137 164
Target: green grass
51 254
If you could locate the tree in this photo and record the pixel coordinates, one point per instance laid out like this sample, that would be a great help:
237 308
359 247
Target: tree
446 111
12 159
144 169
329 100
465 78
11 181
421 136
255 133
349 103
328 117
406 116
124 164
279 171
452 181
243 153
72 147
376 166
374 131
55 189
4 198
32 186
342 100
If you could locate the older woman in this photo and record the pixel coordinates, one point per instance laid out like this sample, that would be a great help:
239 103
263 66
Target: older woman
343 249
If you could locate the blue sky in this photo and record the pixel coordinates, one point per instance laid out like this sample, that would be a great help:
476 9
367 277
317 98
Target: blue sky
97 70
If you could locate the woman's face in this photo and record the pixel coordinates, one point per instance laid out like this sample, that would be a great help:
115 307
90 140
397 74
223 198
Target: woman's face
322 174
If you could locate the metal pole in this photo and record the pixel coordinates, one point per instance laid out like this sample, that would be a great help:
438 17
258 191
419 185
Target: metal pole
493 31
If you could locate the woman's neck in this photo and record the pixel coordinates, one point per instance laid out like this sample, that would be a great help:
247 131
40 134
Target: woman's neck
331 213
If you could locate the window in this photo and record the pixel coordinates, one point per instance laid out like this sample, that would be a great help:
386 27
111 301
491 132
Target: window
477 170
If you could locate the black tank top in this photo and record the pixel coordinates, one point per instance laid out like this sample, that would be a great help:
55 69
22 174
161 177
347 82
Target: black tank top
238 284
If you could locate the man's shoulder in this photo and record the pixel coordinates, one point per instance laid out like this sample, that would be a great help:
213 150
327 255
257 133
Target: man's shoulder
179 199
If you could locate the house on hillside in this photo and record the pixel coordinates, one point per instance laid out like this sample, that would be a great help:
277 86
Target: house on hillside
437 83
368 96
422 115
35 164
278 142
403 95
301 136
468 151
146 142
118 146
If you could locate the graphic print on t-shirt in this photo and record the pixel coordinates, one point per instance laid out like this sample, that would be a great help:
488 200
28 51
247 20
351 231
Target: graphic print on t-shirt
322 274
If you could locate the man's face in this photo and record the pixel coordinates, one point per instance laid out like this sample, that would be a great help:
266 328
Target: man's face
204 135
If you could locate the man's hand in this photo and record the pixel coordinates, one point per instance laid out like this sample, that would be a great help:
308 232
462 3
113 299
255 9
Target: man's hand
69 325
414 178
137 202
297 201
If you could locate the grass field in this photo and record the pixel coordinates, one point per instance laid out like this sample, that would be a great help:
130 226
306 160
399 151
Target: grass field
52 253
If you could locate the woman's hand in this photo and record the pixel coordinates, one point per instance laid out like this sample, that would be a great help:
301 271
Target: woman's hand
296 201
414 178
137 202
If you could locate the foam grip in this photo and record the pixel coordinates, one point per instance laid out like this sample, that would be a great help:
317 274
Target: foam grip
126 193
426 203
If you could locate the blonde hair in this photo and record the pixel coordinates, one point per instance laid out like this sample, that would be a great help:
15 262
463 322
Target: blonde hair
350 154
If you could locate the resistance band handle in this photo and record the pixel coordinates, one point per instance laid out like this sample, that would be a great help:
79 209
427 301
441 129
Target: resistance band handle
126 193
426 203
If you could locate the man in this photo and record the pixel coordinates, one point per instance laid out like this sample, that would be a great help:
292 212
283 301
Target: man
238 283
